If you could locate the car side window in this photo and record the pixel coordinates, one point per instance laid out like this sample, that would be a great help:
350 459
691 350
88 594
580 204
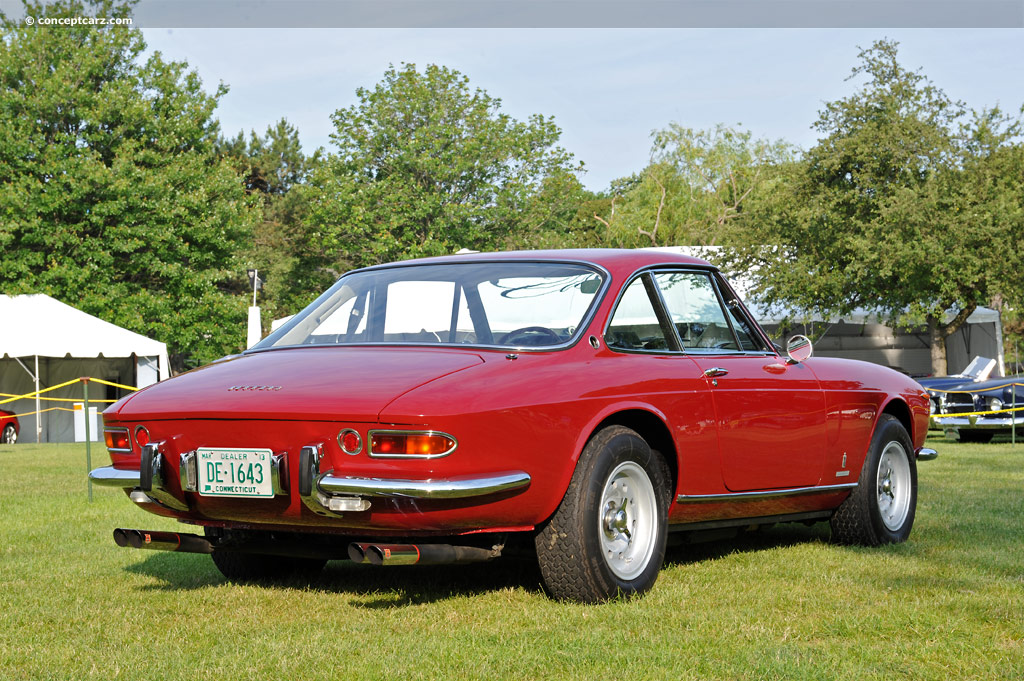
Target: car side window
635 326
695 311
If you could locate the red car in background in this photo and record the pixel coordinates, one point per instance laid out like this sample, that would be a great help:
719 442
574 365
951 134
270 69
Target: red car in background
9 428
580 403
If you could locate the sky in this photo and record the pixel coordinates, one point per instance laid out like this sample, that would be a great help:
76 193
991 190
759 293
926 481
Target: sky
607 89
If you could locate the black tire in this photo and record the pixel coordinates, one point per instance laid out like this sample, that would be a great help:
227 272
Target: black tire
979 436
881 509
258 567
578 548
9 436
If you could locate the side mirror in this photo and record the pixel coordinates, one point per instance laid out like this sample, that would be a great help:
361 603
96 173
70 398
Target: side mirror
799 348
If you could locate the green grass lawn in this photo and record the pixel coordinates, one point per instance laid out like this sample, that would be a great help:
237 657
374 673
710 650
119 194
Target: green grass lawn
783 603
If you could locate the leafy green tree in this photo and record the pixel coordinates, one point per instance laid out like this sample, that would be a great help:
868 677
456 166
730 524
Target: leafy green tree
111 195
905 207
275 171
425 165
694 191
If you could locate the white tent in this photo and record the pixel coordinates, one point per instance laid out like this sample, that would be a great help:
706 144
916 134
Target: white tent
44 342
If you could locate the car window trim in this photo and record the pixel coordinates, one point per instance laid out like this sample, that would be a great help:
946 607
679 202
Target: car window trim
661 312
585 322
767 346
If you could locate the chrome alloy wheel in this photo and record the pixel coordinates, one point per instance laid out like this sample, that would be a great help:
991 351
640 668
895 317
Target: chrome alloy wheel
894 486
628 520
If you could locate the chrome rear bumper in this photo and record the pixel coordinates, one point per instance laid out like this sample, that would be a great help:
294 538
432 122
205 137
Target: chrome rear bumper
323 493
114 477
442 488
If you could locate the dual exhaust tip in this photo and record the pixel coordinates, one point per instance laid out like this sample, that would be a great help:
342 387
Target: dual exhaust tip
162 541
418 554
372 553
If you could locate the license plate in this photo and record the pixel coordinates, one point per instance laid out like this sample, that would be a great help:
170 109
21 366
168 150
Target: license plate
234 472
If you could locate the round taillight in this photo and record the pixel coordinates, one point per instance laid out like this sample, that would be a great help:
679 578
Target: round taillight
142 436
350 442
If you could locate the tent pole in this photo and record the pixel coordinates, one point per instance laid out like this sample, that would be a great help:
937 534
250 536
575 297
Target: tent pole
39 415
88 435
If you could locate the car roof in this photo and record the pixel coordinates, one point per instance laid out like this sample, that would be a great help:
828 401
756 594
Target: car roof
612 259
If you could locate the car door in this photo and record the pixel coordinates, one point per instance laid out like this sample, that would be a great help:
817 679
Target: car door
770 414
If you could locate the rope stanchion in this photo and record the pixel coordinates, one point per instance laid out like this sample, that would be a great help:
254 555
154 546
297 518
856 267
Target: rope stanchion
84 380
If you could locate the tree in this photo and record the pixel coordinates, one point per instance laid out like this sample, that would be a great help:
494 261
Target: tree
904 207
424 166
275 171
111 196
694 190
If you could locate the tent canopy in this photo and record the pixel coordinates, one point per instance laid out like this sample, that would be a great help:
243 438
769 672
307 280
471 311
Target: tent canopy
38 325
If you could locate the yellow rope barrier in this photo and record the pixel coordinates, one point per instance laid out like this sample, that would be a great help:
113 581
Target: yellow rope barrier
970 392
115 385
63 399
976 413
39 392
13 398
41 411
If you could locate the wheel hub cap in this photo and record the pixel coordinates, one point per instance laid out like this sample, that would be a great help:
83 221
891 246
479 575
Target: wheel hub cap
894 486
627 520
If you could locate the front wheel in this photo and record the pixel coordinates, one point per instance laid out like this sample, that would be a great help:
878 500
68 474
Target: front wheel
9 435
607 537
881 509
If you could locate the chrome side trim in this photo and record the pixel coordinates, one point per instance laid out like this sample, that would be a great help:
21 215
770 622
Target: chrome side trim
762 494
926 454
108 476
450 488
369 446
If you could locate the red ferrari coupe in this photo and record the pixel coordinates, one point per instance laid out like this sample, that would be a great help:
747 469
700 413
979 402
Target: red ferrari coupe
582 403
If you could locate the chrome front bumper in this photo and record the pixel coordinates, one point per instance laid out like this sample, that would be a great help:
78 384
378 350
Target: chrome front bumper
980 422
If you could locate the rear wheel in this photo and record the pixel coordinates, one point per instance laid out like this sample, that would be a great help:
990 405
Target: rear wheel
259 567
9 435
607 537
881 509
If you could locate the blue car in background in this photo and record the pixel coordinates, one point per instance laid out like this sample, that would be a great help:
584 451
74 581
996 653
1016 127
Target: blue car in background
961 397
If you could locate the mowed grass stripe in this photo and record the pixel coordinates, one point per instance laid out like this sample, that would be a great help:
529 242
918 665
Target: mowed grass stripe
780 603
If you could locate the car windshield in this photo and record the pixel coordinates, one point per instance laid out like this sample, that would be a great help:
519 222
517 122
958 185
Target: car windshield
502 304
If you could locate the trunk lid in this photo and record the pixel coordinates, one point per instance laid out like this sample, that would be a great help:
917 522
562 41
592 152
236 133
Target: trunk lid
350 384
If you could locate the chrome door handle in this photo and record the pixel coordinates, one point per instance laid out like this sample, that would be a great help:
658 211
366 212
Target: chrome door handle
715 372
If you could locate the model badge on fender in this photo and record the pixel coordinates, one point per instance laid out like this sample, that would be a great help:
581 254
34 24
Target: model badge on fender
254 387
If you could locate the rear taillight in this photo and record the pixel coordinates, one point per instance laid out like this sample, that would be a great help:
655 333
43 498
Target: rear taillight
117 439
396 444
141 436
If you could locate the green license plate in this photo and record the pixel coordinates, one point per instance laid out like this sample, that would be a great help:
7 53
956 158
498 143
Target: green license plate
234 472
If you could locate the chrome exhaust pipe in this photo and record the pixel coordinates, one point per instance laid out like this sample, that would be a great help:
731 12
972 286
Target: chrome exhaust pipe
162 541
357 552
423 554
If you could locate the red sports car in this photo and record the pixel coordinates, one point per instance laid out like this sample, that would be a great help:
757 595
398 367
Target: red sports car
9 428
580 403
